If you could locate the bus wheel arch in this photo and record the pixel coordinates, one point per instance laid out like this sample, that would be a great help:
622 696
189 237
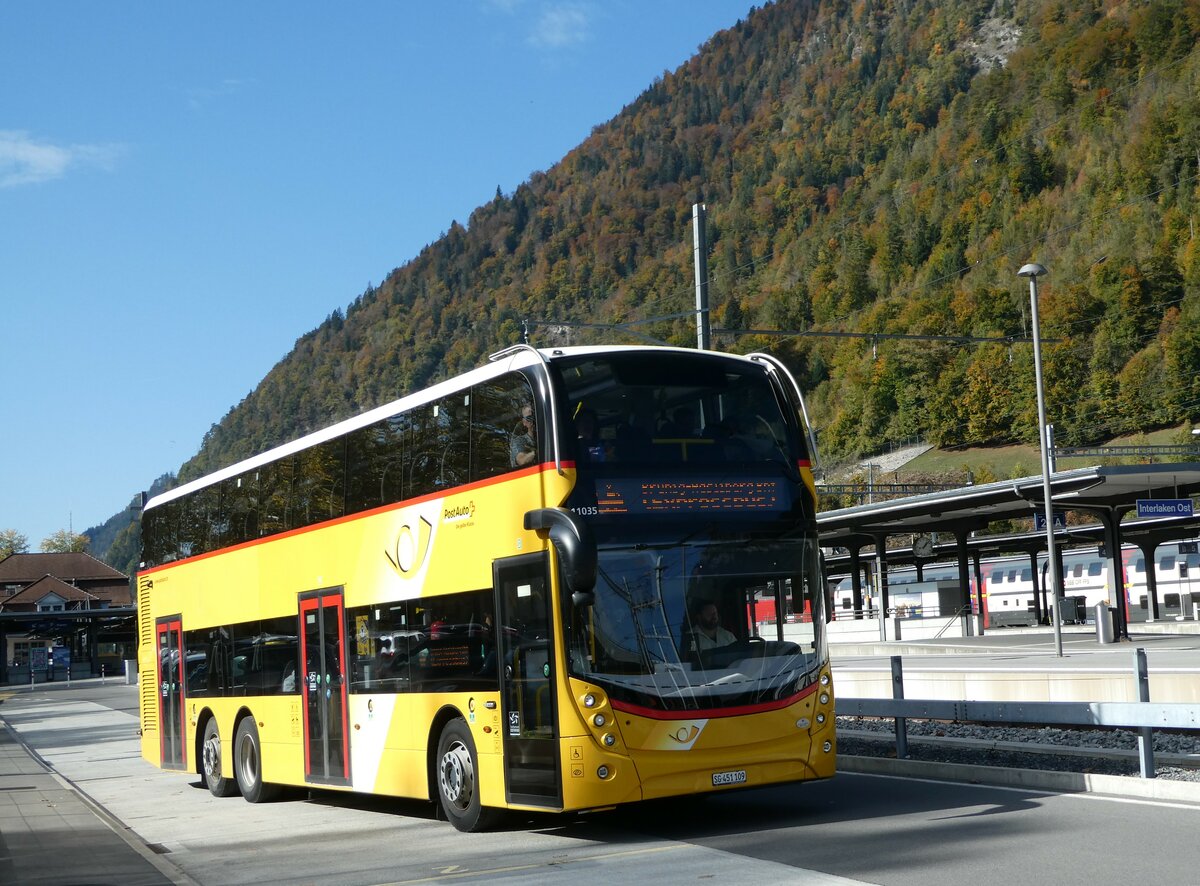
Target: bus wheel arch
440 719
455 774
210 754
248 759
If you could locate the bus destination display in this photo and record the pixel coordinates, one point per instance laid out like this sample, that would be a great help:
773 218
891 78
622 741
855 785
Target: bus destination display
635 496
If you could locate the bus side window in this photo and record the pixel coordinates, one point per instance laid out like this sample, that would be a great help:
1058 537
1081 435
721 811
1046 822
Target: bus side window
495 409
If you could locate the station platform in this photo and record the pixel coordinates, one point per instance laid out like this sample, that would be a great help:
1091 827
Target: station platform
1021 664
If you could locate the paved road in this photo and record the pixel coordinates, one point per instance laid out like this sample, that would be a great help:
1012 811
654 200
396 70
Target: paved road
855 828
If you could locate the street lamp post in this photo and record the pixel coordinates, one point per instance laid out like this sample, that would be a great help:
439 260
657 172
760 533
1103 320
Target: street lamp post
1033 271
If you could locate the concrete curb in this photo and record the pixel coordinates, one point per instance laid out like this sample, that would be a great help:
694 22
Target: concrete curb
1031 779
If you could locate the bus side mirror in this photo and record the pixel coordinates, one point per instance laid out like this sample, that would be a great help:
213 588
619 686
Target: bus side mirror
576 548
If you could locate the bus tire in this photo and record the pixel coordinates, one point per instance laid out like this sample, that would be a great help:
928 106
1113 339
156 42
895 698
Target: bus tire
247 764
210 762
457 770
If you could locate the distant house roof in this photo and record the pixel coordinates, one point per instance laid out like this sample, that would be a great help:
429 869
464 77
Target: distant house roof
28 568
117 594
27 599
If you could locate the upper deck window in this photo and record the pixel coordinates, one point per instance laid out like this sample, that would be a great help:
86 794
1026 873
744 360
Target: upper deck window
463 437
675 408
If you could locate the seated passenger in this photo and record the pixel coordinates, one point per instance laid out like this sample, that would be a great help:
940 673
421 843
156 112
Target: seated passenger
288 684
522 445
681 424
728 436
591 447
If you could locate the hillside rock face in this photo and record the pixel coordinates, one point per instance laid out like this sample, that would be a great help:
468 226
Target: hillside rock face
996 39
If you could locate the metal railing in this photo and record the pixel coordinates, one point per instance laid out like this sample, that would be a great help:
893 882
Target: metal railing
959 614
1141 715
927 617
1183 450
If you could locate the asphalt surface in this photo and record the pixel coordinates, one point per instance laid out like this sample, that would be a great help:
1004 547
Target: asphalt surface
57 825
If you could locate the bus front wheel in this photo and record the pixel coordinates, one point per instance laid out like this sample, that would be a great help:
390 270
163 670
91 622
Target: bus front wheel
247 764
210 759
458 779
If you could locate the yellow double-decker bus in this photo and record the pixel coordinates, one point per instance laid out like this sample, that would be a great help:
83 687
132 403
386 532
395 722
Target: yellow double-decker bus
566 580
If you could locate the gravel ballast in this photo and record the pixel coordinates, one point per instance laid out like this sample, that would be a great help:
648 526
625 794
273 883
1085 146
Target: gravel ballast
1091 751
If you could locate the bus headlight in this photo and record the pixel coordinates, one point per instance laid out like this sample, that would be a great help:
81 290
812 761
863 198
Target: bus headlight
824 698
824 679
827 747
602 772
820 718
609 739
589 701
599 720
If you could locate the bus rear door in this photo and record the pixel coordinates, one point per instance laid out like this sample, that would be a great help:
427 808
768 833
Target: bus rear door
323 651
171 724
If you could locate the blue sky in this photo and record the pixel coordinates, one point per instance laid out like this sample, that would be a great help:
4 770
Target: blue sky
185 189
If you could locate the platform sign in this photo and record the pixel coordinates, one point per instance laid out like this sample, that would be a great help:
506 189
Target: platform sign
1164 507
1039 521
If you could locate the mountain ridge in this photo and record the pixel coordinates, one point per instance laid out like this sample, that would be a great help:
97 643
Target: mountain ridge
869 167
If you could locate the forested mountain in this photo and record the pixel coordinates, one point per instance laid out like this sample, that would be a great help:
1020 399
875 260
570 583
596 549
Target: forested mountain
868 166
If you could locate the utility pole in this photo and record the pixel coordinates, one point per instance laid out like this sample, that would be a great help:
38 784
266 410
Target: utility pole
700 250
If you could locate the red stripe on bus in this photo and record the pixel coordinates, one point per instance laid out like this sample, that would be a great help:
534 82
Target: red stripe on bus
711 713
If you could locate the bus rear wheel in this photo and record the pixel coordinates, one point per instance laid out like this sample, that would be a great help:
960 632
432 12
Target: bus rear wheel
210 761
458 779
247 764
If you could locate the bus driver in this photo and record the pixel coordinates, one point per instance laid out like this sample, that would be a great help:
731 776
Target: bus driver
707 632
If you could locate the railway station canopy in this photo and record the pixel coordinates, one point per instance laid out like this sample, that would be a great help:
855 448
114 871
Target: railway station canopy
1105 492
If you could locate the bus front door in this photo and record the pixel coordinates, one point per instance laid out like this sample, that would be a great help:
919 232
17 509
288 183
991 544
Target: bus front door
323 651
527 682
171 724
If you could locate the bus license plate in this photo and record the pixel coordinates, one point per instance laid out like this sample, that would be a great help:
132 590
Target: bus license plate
738 777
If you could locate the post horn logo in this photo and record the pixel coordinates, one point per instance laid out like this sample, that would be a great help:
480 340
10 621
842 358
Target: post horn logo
684 734
411 547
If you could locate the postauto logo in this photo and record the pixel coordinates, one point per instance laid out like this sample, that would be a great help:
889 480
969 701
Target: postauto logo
410 547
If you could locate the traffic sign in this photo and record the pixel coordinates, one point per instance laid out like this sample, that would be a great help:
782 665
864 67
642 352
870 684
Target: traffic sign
1039 521
1164 507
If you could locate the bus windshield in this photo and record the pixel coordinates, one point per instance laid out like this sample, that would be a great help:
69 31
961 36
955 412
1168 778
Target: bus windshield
702 623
